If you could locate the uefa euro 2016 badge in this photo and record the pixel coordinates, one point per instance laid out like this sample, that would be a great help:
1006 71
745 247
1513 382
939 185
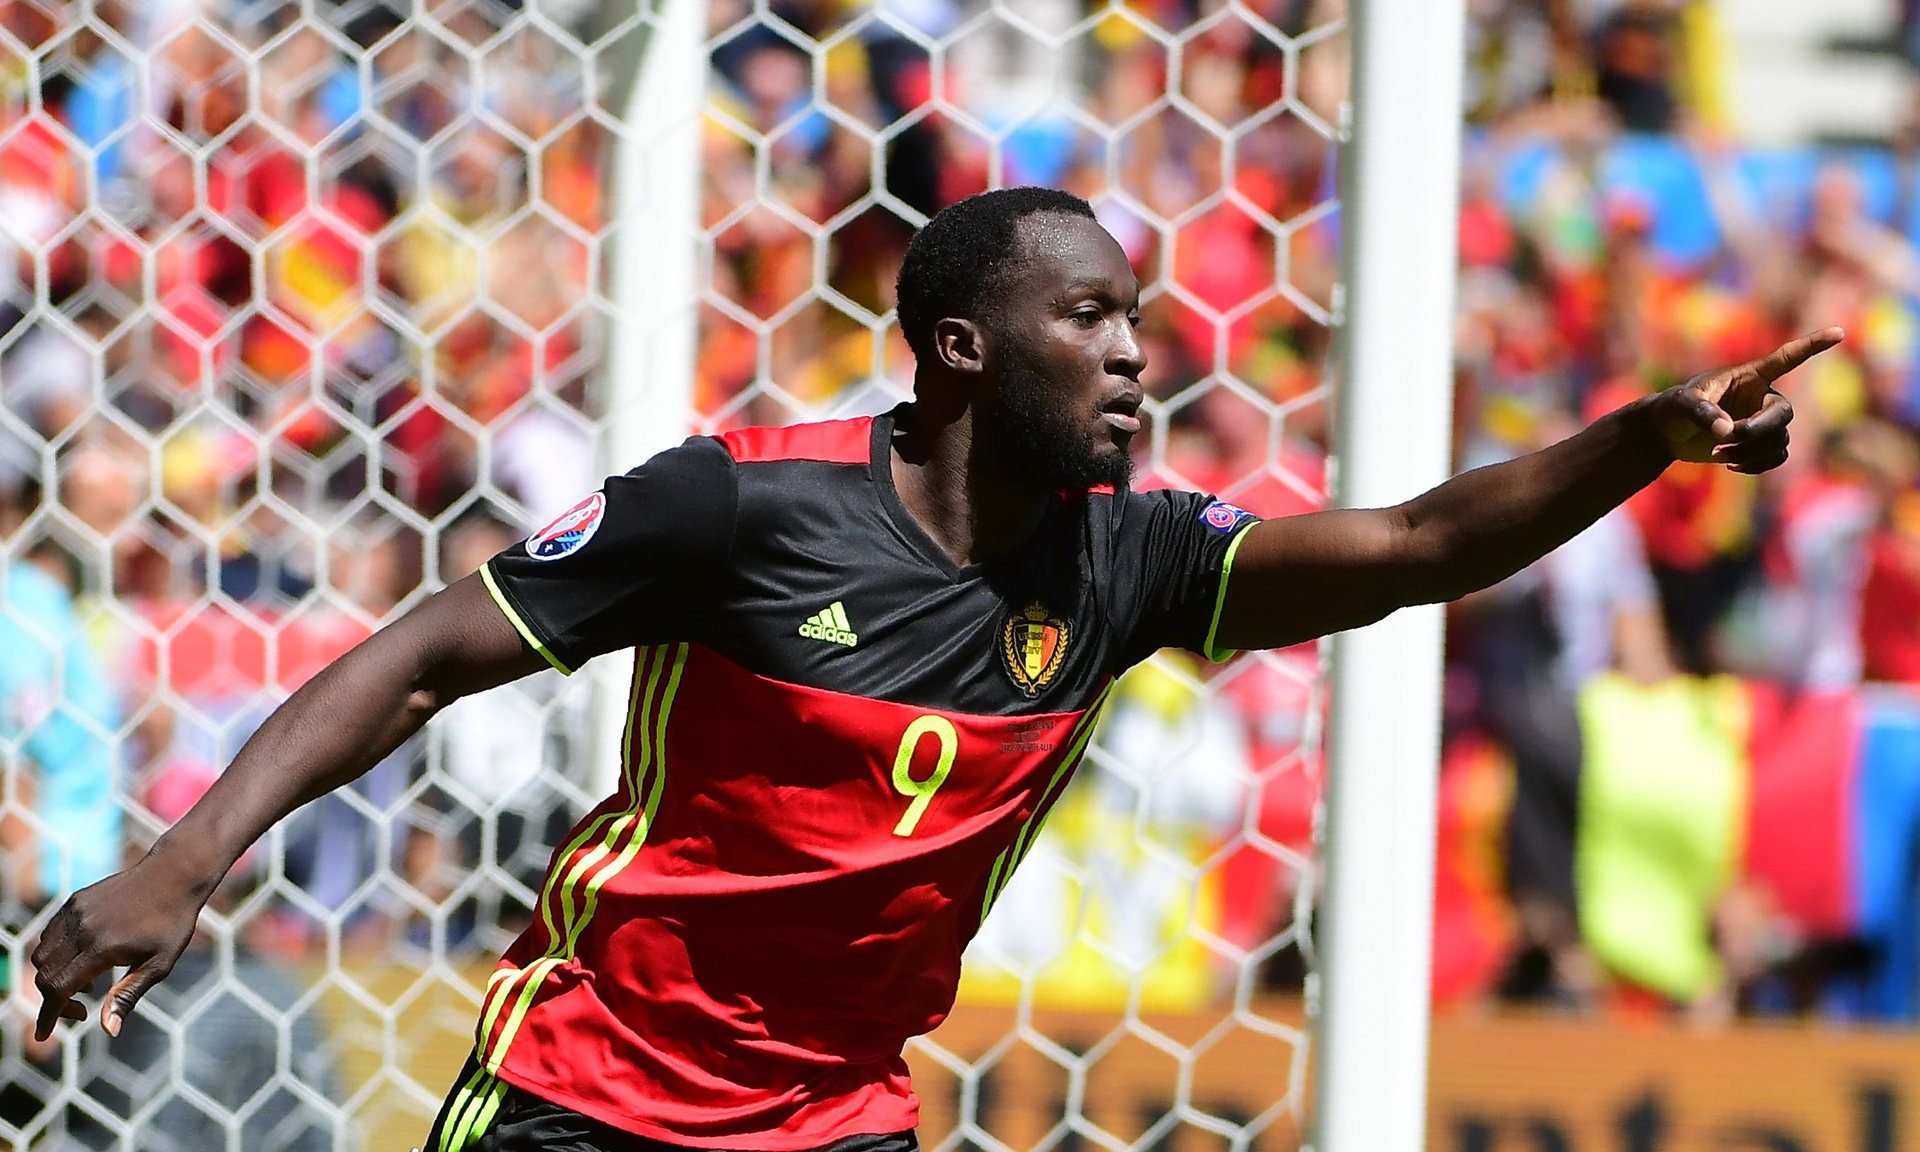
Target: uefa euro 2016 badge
569 531
1033 646
1223 516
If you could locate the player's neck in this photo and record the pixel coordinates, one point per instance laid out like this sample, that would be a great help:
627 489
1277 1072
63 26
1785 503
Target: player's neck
956 489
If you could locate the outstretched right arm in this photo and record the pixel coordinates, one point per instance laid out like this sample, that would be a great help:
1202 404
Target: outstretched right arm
659 534
329 732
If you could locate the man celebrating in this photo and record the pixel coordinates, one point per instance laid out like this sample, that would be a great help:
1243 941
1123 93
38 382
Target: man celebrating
867 656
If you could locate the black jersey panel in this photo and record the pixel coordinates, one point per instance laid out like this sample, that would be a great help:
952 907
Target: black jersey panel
1169 551
830 589
809 571
642 561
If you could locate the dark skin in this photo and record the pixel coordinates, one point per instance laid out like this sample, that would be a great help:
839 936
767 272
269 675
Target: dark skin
1067 319
1070 316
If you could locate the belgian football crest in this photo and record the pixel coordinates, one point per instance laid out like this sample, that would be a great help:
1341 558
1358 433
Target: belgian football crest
1033 644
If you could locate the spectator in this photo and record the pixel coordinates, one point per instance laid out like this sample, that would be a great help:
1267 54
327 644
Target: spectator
1635 65
1890 601
59 723
60 819
1510 57
1819 554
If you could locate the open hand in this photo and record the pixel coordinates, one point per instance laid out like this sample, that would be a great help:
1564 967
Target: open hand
1733 416
141 919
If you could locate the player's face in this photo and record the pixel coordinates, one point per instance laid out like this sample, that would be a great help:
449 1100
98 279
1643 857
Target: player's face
1065 358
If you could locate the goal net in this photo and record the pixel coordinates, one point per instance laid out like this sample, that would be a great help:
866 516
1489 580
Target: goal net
309 306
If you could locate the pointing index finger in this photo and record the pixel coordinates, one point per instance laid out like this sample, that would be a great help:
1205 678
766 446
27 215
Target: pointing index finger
1794 353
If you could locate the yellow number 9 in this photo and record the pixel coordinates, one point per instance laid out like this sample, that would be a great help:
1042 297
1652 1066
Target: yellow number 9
921 791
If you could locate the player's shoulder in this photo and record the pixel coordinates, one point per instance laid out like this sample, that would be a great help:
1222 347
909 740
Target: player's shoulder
816 473
1137 532
844 442
1145 510
767 461
829 442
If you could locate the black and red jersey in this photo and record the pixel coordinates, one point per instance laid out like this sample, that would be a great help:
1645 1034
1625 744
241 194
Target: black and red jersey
839 746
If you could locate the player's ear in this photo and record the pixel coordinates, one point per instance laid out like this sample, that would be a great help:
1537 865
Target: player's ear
960 344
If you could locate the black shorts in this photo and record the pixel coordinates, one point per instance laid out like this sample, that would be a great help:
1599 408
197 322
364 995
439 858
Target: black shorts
484 1113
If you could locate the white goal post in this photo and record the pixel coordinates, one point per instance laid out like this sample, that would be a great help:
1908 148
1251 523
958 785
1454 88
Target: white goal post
1394 420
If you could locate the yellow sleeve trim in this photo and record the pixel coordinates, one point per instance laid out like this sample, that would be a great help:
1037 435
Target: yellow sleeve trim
1220 598
526 633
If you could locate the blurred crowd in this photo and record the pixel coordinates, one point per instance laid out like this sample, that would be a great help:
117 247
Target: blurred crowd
305 317
1698 710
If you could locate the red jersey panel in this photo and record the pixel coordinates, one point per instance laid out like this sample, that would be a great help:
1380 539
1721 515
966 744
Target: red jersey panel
737 945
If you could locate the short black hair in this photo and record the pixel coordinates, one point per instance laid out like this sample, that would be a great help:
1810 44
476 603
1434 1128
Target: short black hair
956 265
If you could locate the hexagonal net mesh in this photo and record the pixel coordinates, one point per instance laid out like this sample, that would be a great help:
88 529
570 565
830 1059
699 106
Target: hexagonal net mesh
306 312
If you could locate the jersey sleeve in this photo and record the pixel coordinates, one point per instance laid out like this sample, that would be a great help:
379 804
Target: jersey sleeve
638 562
1173 559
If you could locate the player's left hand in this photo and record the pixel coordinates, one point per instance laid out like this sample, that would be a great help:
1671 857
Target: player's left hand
1734 416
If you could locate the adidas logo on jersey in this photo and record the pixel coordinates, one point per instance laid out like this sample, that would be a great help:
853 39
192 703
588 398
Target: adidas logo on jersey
830 625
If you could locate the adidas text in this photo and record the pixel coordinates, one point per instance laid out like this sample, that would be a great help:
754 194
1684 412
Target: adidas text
814 631
830 625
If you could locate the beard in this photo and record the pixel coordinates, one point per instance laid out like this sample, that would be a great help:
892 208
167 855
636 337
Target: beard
1045 439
